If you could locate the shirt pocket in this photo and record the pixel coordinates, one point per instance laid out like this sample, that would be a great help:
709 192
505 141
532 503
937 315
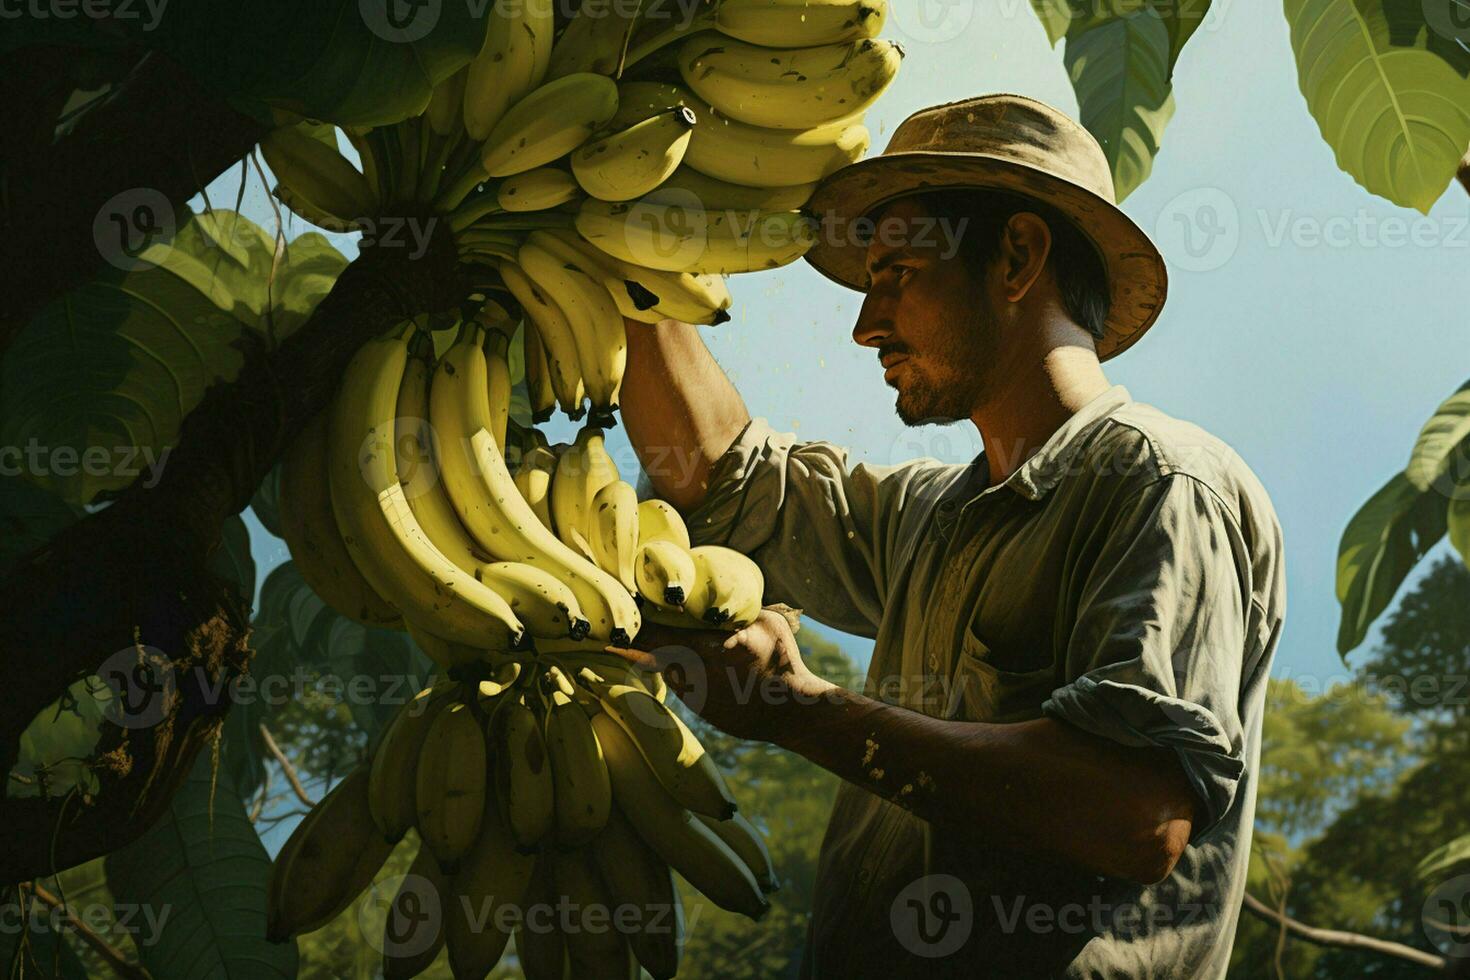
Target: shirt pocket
996 684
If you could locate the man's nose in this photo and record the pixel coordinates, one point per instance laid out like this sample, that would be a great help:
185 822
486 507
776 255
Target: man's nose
874 322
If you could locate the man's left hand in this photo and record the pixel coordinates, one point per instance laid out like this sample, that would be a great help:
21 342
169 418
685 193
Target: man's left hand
740 682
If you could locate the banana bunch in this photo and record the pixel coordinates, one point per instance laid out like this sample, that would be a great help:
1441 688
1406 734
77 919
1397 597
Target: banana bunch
619 164
553 778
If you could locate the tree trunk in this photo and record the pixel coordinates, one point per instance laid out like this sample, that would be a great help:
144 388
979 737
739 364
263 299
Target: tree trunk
128 586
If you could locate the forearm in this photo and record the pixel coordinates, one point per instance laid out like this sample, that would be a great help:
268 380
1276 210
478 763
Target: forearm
680 410
1041 787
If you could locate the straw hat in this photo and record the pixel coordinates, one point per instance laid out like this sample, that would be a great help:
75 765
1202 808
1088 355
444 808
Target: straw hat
1009 143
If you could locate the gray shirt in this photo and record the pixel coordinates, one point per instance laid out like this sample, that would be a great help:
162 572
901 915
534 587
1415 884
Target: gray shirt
1128 578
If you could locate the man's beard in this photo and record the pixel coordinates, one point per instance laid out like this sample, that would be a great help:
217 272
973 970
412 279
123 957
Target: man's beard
923 401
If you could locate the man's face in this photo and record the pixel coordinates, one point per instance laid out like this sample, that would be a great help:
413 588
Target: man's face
931 323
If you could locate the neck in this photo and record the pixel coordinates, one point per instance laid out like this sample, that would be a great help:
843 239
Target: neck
1038 388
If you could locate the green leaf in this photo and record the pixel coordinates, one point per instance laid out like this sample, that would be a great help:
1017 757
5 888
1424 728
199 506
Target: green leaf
1444 858
29 516
1381 545
343 61
1459 521
1444 441
100 380
1055 17
204 864
1120 72
58 744
48 955
1397 118
232 561
266 501
1436 24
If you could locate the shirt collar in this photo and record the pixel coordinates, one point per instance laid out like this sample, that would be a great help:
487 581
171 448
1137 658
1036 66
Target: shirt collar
1045 468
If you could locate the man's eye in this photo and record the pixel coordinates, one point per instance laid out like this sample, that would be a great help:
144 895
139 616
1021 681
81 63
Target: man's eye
899 270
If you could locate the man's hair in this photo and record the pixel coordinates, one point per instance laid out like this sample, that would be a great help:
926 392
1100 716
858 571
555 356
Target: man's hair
1075 263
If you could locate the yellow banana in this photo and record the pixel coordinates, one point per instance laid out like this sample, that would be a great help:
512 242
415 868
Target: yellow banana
721 195
539 945
391 777
675 834
382 535
641 293
594 39
582 469
593 946
758 156
497 367
671 750
659 520
490 507
523 781
533 480
537 190
492 880
549 122
601 335
446 104
316 173
511 62
449 793
632 161
413 932
676 238
309 212
800 23
330 857
797 88
557 339
664 573
310 530
729 587
612 528
583 793
640 878
538 598
538 374
747 842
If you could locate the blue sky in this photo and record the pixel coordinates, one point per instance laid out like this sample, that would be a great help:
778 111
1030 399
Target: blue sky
1309 324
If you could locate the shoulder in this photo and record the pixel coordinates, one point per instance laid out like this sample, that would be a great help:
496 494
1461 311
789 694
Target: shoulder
1151 451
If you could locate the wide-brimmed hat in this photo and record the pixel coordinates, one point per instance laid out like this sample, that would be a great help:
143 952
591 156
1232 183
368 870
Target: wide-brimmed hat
1009 143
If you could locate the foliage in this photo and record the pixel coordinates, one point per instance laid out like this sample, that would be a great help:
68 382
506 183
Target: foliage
204 867
1423 660
101 379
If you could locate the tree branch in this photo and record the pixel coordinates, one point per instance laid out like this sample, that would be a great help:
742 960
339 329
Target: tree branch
286 767
114 956
1339 939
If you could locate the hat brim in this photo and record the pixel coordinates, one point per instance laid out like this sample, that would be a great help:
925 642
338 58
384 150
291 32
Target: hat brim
1137 279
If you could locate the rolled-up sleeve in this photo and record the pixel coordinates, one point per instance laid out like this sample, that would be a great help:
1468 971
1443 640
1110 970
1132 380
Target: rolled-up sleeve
821 532
1156 652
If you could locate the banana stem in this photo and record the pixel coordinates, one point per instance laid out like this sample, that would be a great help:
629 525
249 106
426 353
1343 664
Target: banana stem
450 198
474 209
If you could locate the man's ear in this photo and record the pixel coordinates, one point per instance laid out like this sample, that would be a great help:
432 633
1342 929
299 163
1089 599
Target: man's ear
1024 247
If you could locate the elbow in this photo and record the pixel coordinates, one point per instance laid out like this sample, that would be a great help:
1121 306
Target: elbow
1150 856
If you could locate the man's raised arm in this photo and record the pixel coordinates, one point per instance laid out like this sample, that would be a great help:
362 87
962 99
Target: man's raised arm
680 410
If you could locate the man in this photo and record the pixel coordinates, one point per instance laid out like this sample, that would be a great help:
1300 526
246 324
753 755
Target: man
1052 769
